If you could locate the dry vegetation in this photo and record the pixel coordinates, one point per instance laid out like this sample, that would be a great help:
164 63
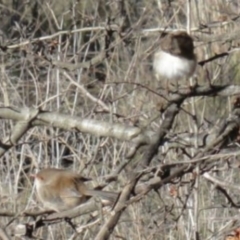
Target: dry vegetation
77 91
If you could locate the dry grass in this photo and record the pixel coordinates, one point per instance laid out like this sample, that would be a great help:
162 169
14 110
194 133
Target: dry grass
28 80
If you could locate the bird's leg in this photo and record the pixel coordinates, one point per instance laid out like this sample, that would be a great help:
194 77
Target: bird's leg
177 86
173 87
192 84
166 86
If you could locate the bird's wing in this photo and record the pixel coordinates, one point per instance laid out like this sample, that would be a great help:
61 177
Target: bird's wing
70 193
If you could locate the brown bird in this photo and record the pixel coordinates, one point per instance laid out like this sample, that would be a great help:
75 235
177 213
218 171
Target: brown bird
175 58
61 190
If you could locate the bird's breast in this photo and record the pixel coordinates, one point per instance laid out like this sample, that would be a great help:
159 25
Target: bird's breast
173 67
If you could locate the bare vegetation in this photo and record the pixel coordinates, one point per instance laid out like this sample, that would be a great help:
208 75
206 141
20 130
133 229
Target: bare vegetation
77 91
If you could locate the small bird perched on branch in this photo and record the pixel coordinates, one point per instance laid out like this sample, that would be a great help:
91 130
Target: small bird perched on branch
61 190
175 60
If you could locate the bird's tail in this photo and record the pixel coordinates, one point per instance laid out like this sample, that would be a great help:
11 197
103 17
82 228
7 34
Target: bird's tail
109 196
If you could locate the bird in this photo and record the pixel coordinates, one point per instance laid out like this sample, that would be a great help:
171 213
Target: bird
61 190
174 59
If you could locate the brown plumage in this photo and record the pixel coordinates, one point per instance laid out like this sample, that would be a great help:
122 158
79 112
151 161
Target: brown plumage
179 44
60 190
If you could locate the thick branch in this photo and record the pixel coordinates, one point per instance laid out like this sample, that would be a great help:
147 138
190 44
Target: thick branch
22 126
121 205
